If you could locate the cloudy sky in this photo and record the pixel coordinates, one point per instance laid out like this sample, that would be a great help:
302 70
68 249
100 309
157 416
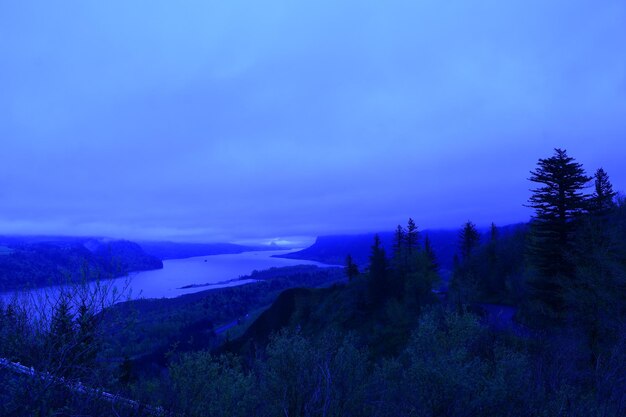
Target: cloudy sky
233 120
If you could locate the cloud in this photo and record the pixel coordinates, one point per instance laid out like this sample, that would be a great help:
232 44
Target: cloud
240 119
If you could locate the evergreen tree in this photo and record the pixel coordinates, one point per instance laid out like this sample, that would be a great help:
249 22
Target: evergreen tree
412 237
399 250
603 196
86 341
463 286
558 202
62 339
378 272
62 325
493 234
594 297
469 239
400 263
352 270
430 254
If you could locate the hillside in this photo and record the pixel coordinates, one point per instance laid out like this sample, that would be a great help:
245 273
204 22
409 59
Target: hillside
175 250
333 249
40 261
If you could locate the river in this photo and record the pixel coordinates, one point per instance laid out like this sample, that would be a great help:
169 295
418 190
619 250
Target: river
196 274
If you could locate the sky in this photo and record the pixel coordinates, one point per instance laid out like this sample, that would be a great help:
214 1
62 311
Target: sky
201 120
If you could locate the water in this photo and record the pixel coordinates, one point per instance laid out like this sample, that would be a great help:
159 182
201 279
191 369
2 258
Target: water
216 270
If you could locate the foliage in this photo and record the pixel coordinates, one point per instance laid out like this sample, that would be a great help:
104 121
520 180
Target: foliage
495 271
59 337
464 285
468 239
379 274
30 265
352 269
558 203
380 343
148 329
203 385
603 197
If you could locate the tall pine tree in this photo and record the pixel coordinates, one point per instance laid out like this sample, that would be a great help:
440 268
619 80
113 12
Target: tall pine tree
558 202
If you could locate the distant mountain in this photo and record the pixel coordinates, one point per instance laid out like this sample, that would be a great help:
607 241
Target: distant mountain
175 250
35 261
333 249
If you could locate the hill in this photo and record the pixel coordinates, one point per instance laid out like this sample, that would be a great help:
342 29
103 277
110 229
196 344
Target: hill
175 250
333 249
36 261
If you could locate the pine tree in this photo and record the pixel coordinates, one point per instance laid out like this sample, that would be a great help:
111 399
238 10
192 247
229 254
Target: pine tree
62 325
493 235
399 250
378 272
62 339
352 270
463 286
412 237
86 343
558 203
430 254
603 196
469 239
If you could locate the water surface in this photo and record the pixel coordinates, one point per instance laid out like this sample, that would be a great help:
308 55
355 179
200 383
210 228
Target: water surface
197 273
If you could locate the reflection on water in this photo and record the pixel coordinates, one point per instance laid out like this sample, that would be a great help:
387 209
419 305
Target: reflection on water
217 270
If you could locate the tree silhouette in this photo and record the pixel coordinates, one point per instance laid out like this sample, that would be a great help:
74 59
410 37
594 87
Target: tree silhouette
378 272
400 260
430 254
558 202
412 237
469 239
352 270
603 196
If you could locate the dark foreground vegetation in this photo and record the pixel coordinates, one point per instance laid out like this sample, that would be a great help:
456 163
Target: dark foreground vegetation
379 343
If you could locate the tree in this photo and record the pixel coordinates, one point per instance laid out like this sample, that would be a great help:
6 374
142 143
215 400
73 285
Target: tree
603 196
430 254
352 270
62 332
412 237
469 239
400 260
463 286
558 203
399 240
61 336
594 296
493 234
378 272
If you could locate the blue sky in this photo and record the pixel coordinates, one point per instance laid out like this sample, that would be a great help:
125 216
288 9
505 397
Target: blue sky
238 120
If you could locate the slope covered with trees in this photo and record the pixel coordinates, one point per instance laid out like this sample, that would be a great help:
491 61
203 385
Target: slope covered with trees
28 264
387 340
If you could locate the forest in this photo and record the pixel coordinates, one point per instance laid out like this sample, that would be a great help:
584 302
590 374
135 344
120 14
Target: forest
394 338
37 262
